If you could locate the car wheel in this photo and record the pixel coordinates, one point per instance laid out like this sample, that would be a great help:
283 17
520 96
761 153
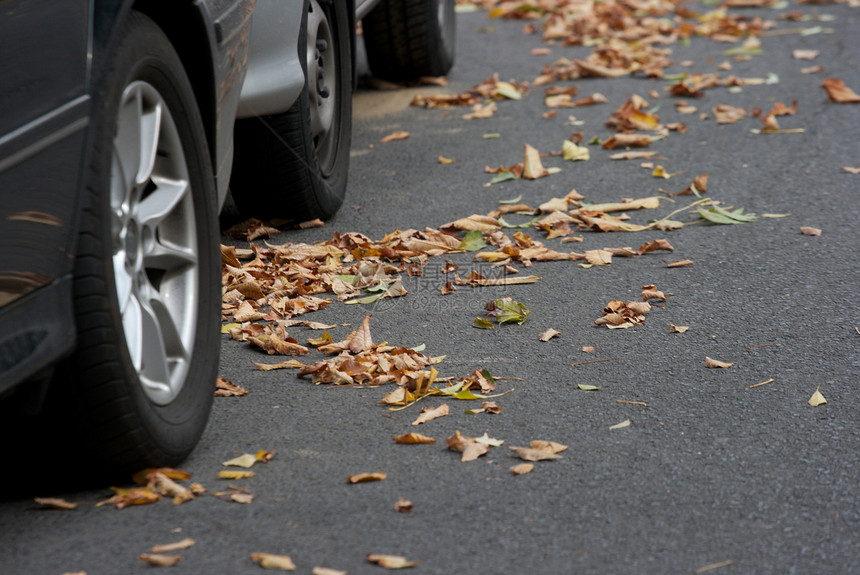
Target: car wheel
147 269
407 39
294 165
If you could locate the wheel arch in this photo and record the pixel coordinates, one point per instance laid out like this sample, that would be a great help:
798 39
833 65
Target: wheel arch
185 25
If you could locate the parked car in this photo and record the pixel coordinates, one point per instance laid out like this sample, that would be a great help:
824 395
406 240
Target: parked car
116 152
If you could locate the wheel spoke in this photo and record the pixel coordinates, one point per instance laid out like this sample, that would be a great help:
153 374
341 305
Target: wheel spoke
132 325
167 245
154 369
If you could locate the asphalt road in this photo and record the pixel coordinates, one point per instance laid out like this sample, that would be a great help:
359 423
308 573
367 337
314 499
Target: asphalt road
712 474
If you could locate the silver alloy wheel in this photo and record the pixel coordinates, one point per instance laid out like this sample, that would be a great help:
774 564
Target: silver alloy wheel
154 242
322 82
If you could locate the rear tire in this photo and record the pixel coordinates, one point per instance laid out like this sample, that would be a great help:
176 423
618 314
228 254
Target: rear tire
146 287
295 165
407 39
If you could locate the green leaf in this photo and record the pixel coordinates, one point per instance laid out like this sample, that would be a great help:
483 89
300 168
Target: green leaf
510 311
466 394
486 373
587 387
490 136
513 201
482 323
505 224
719 215
595 141
503 177
347 278
508 91
380 287
472 242
367 299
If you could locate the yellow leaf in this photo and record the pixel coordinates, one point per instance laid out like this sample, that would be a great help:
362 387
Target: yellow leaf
532 166
157 560
170 547
391 561
271 561
622 425
817 399
235 474
366 477
430 414
710 362
522 468
244 460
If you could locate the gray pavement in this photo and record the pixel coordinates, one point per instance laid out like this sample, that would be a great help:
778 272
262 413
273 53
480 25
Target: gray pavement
710 475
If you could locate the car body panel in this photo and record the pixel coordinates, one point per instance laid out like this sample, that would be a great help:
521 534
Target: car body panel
52 53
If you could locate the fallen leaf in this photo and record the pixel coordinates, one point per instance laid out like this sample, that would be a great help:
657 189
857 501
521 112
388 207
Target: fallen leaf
549 334
808 231
403 505
235 474
532 454
678 328
532 166
838 92
157 560
680 264
366 477
851 170
431 414
272 561
550 446
655 245
633 155
56 503
587 387
170 547
805 54
244 498
226 388
587 348
134 496
290 363
522 468
162 484
715 363
628 140
413 439
326 571
244 460
817 399
622 425
391 561
394 136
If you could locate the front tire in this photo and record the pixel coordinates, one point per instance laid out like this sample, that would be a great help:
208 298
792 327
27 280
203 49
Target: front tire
147 267
295 165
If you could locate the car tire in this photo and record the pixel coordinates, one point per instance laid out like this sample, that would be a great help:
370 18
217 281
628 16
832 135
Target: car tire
407 39
147 269
295 165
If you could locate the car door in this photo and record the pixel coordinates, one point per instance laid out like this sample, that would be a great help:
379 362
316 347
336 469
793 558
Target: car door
43 115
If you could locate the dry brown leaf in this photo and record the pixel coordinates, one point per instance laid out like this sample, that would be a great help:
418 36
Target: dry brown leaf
157 560
56 503
817 399
549 446
133 496
391 561
627 140
235 474
162 484
715 363
403 505
678 328
805 54
522 468
272 561
366 477
468 446
532 166
655 245
170 547
812 69
680 264
244 498
633 155
851 170
413 439
838 92
394 136
809 231
532 454
549 334
431 414
326 571
598 257
226 388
